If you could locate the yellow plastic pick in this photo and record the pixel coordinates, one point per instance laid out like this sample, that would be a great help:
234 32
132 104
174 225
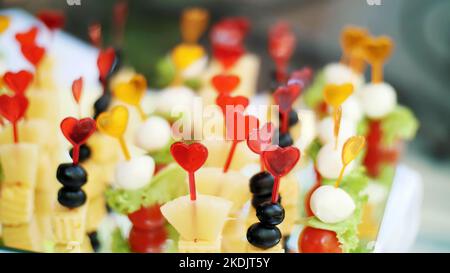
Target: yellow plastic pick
114 123
351 39
184 55
193 24
334 95
376 51
131 92
337 116
352 147
4 23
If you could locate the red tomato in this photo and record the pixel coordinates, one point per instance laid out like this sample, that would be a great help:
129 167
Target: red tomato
313 240
147 218
147 241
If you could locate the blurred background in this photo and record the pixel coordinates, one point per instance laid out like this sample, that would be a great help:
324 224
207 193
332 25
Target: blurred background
419 68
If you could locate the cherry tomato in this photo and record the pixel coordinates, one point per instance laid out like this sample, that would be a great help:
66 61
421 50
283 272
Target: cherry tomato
313 240
147 217
147 241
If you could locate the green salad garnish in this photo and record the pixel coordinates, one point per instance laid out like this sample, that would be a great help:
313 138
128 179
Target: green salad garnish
118 243
163 156
165 72
314 93
347 231
167 185
399 124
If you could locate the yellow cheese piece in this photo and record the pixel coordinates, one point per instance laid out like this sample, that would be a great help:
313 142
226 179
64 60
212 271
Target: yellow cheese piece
19 163
96 212
96 183
69 225
16 203
23 237
44 105
199 246
73 247
202 219
104 149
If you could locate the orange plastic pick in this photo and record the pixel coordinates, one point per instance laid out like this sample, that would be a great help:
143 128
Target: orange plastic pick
194 22
376 51
114 123
350 151
132 92
4 23
334 95
351 39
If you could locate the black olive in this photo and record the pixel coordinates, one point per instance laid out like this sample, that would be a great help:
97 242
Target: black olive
263 236
270 214
71 198
72 176
293 118
285 140
259 199
95 243
261 183
85 153
102 103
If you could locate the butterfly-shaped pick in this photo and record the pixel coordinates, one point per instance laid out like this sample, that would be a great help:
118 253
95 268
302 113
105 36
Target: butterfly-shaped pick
190 157
225 83
18 81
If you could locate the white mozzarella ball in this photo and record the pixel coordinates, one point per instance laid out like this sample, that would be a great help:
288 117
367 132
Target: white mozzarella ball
134 173
329 161
326 130
174 100
331 205
351 109
377 99
153 134
196 68
337 73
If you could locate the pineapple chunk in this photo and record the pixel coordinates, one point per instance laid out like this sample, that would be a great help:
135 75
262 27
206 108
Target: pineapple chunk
232 186
234 236
275 249
72 247
69 225
218 151
199 246
44 105
86 246
202 219
19 163
104 149
96 213
35 131
24 237
44 201
16 203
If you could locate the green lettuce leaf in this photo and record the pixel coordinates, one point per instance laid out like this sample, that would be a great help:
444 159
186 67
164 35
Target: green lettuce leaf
118 243
347 231
314 93
400 124
362 128
314 149
165 72
163 156
167 185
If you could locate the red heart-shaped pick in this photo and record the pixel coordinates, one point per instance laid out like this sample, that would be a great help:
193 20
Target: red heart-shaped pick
105 61
27 37
18 81
236 103
53 19
33 53
260 140
189 157
77 87
13 108
225 83
280 161
77 131
285 96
